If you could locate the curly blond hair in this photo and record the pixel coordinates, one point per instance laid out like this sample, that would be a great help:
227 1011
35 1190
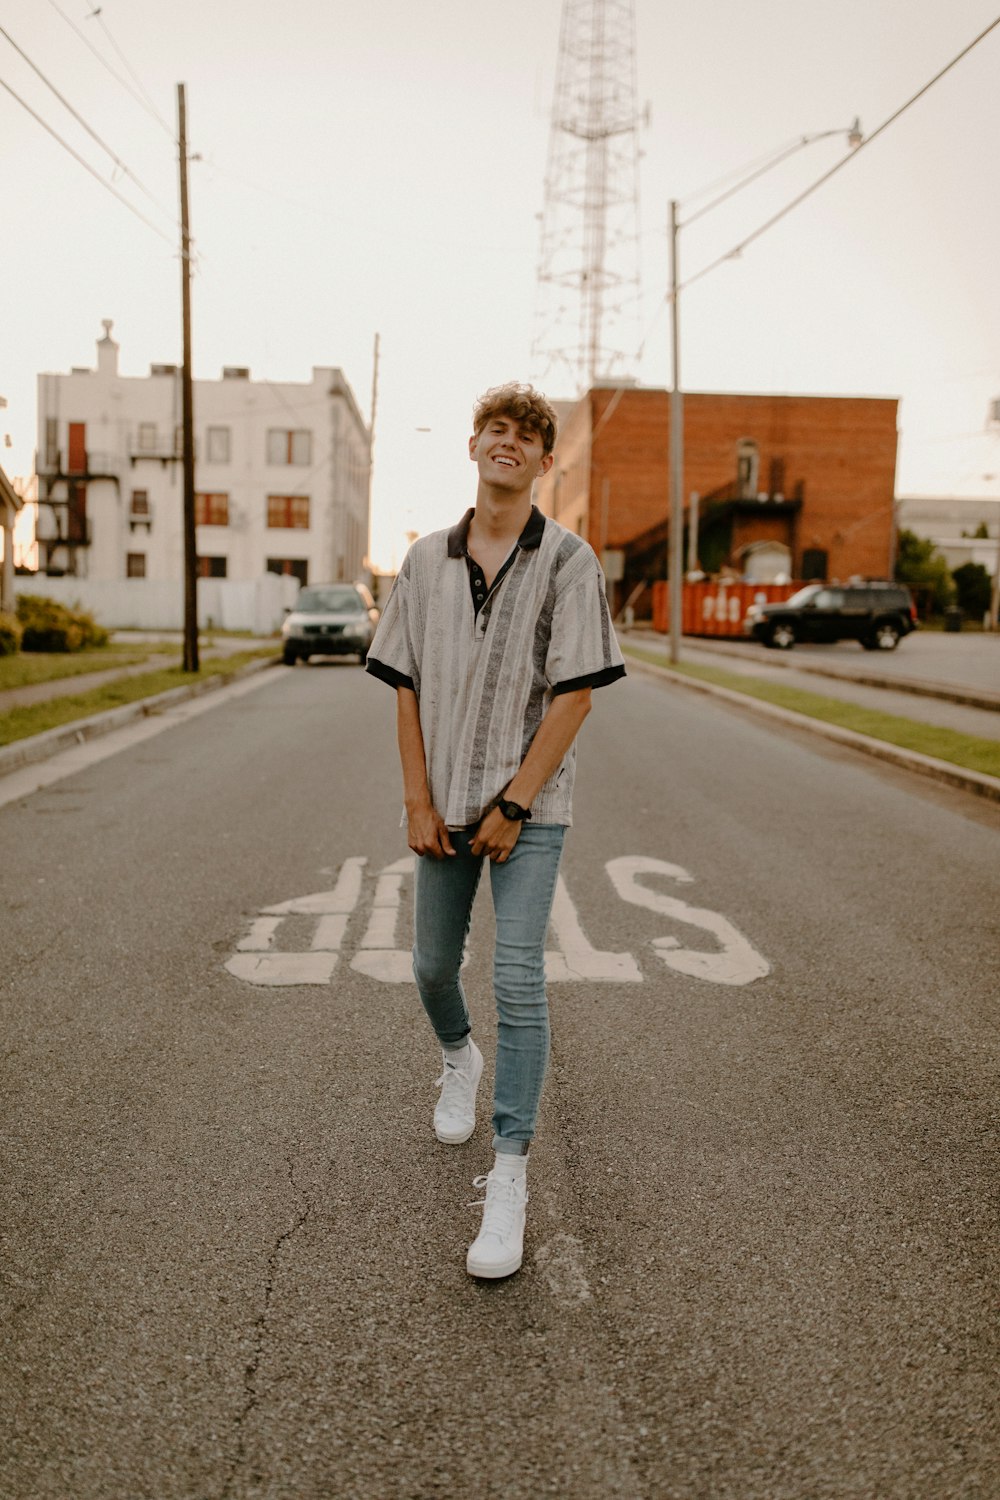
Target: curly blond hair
524 404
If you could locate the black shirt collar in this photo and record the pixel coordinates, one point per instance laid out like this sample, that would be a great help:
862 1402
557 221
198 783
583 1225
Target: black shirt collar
529 540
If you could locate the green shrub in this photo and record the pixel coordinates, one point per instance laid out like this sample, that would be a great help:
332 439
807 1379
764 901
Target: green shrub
974 587
10 634
924 568
50 626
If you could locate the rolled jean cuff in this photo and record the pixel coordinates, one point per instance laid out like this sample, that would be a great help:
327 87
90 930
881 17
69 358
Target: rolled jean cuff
504 1146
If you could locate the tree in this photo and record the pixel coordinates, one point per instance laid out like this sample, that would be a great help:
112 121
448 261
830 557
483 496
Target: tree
973 585
918 562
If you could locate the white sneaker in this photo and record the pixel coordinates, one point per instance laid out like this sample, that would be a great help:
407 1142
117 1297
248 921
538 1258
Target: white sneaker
455 1111
498 1249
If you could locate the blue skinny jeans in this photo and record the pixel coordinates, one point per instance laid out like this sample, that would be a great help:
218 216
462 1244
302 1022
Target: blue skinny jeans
523 887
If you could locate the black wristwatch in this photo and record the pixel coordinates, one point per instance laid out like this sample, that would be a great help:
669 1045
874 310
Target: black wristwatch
513 811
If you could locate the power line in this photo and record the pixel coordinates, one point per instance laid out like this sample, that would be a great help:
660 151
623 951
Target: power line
88 128
776 218
144 103
86 165
151 107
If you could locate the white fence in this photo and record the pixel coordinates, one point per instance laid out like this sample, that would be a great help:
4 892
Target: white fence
257 604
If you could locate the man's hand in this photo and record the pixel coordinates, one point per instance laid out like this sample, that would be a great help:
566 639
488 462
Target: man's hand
496 836
427 832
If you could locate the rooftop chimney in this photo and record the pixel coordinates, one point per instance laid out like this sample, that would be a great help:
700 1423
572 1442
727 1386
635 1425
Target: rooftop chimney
107 351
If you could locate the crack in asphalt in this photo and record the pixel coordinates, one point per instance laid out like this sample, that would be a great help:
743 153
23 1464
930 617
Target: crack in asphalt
24 961
253 1364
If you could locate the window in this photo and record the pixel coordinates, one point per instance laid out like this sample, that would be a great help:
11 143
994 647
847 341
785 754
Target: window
211 510
288 510
147 437
217 445
747 469
290 567
140 503
288 447
135 565
212 567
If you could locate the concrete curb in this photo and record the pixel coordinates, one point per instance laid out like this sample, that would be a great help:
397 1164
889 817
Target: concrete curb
909 760
36 747
967 697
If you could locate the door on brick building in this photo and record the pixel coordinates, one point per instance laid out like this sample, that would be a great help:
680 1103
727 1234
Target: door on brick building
76 456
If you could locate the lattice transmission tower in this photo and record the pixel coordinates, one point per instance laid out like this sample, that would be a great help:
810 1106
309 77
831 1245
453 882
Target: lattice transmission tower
587 316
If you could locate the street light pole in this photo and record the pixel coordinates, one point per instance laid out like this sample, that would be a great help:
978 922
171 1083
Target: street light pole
675 565
675 573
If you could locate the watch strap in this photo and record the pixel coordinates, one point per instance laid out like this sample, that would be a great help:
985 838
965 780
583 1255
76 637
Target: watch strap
513 811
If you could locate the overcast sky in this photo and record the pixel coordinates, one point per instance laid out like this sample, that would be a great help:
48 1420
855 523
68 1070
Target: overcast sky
379 167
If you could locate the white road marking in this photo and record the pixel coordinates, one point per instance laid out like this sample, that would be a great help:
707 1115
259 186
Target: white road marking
283 969
257 961
261 935
389 965
343 898
329 933
560 1261
378 956
577 958
738 962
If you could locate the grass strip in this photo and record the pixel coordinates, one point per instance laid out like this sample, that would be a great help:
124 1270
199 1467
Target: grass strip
28 667
35 718
968 750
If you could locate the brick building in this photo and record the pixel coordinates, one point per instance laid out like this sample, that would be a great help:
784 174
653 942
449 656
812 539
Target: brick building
796 487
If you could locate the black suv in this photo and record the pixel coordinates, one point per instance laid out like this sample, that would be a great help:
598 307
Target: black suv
876 614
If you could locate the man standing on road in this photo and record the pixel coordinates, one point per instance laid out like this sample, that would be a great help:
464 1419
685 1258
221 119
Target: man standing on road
494 635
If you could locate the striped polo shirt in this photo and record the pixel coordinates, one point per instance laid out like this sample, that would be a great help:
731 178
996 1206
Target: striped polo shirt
485 671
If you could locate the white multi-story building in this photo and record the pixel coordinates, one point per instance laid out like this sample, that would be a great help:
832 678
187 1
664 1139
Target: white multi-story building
962 530
281 475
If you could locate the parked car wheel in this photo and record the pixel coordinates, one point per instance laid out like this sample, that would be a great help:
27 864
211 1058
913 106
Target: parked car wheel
782 636
289 657
885 636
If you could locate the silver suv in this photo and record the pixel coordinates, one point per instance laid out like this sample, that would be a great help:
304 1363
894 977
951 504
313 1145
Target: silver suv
329 619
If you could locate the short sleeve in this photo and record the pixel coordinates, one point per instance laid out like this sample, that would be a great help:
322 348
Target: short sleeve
391 656
583 648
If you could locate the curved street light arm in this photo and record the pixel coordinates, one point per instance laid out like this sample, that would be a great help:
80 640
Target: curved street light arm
737 250
853 134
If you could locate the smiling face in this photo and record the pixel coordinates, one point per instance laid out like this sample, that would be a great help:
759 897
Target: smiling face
509 454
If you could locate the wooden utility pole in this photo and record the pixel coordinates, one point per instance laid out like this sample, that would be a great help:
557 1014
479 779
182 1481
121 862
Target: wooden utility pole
371 457
191 663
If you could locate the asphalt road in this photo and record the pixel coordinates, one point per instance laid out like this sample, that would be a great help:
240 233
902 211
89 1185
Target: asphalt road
762 1247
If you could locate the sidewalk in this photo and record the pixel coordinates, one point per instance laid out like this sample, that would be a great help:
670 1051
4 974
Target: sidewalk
959 668
66 687
851 677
